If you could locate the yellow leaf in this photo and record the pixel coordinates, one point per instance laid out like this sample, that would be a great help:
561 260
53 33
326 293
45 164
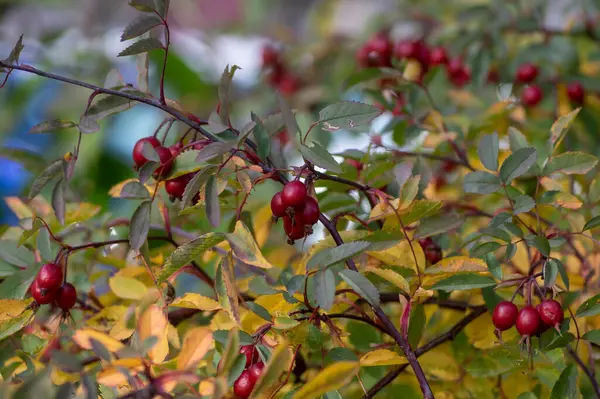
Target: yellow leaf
383 210
261 222
441 364
153 323
331 378
402 255
566 200
382 357
105 319
80 212
456 264
412 71
197 342
391 276
82 338
279 363
245 248
112 376
206 387
127 287
11 308
195 301
115 191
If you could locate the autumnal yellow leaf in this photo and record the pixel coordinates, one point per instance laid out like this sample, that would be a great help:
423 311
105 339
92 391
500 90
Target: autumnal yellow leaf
566 200
153 323
331 378
401 254
245 247
195 301
391 276
383 210
115 191
382 357
113 376
11 308
197 342
106 318
127 287
279 363
82 338
457 264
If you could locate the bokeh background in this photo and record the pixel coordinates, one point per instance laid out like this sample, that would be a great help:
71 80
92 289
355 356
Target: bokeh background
81 38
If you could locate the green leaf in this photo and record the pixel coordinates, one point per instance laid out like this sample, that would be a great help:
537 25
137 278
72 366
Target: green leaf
225 93
523 203
51 172
347 115
187 252
361 285
13 57
570 163
185 163
437 225
45 246
566 386
213 209
325 288
226 289
319 156
134 189
14 324
463 281
51 126
280 359
592 223
488 151
106 106
149 152
592 336
140 225
140 26
541 243
562 271
516 139
416 325
12 253
142 5
58 201
288 116
194 185
260 311
330 256
550 272
88 125
493 265
142 46
147 170
212 151
484 248
245 132
561 126
263 141
162 7
517 163
481 182
591 307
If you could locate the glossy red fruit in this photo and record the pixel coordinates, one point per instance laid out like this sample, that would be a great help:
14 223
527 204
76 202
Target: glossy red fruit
166 162
406 49
423 54
505 315
138 157
438 56
362 56
380 50
277 206
66 296
294 230
270 56
433 252
551 312
289 84
175 149
176 187
543 327
50 277
293 193
461 78
528 321
251 354
309 213
41 295
243 386
527 73
493 76
454 66
256 370
531 96
576 92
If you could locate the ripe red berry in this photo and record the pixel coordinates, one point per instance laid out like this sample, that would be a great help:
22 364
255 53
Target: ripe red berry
528 321
551 312
448 166
41 295
66 296
309 213
406 49
543 327
176 187
454 66
527 73
242 387
380 50
175 149
289 84
251 354
493 76
576 92
138 157
50 277
166 162
438 56
505 315
294 230
277 206
531 96
433 252
256 370
270 56
423 53
293 193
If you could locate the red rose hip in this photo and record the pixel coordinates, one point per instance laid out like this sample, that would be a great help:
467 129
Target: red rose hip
531 96
438 56
576 92
294 230
66 296
309 213
277 206
176 187
50 277
40 295
406 49
166 162
528 321
527 73
251 354
242 387
138 157
256 370
504 315
551 312
293 193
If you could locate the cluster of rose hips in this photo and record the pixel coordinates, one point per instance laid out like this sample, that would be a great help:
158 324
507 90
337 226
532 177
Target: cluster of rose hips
530 321
533 94
278 73
243 386
48 287
298 210
174 187
433 252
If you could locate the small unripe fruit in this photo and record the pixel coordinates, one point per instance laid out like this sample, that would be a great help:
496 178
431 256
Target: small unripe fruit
504 315
50 277
576 92
309 213
551 312
531 96
242 387
438 56
251 354
166 162
66 296
293 193
41 295
138 157
528 321
293 229
527 73
277 206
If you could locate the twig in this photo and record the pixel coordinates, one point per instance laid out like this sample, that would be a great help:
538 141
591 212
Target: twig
586 370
